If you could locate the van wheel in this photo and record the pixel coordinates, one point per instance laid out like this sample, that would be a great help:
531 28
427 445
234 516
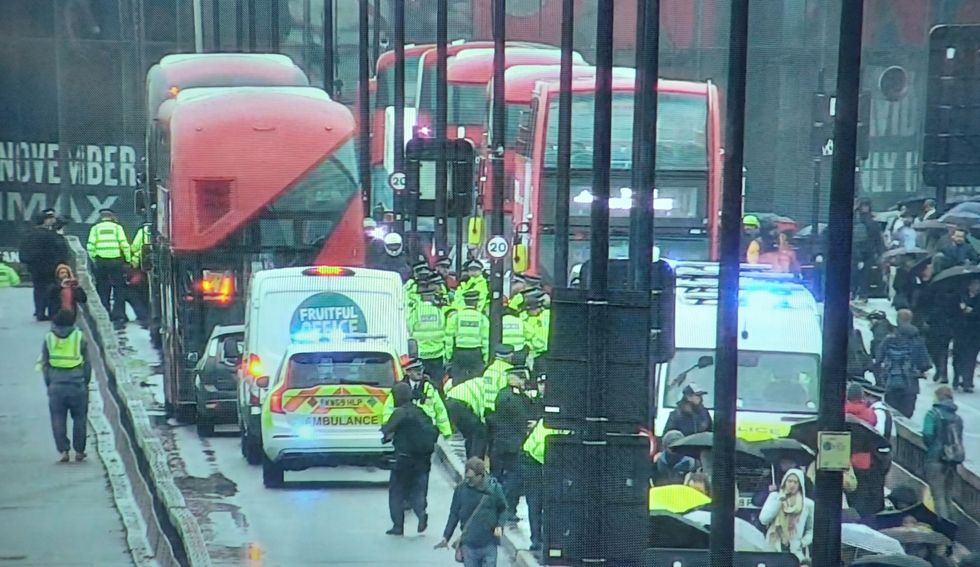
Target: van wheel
272 474
205 427
253 449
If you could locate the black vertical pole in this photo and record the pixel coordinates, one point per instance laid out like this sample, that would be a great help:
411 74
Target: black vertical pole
817 164
645 155
252 39
239 26
722 546
564 143
497 162
442 109
399 134
216 24
836 326
602 151
274 26
328 71
376 40
364 105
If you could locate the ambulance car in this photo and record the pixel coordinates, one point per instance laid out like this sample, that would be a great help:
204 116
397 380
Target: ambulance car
311 305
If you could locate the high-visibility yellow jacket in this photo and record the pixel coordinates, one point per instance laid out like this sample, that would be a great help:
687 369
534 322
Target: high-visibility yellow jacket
512 332
534 445
494 380
65 352
8 276
141 240
427 325
467 328
432 406
470 393
107 241
536 329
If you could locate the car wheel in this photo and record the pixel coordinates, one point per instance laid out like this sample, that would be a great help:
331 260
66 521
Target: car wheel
253 449
205 427
272 474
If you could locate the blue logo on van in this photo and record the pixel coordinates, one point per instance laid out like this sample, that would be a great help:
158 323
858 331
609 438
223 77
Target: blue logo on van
325 315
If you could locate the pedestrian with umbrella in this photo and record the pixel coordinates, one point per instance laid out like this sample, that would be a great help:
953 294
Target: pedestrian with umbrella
788 515
902 359
867 541
783 454
923 543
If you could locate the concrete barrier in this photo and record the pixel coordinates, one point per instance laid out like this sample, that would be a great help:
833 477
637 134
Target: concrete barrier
163 503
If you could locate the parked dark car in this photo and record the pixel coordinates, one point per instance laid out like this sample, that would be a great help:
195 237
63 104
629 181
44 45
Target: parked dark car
215 381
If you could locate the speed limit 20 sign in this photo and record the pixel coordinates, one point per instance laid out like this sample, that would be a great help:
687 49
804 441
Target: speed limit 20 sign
497 247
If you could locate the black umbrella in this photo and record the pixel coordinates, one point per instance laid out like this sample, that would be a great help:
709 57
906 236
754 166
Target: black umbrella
864 438
965 208
957 273
916 535
929 225
784 447
672 530
692 445
891 561
911 202
919 512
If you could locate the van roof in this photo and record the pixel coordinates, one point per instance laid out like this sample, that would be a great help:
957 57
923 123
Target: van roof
278 273
346 345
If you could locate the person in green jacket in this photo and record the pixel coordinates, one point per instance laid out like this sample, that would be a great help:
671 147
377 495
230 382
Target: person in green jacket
464 402
467 339
425 396
537 325
427 325
495 377
474 279
8 276
420 273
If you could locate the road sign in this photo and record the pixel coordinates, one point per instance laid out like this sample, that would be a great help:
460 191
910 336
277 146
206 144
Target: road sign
397 181
498 247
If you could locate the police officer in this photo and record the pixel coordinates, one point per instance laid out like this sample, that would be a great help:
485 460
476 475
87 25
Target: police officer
420 275
464 402
139 288
533 474
467 338
425 396
518 285
108 247
474 280
537 325
512 333
67 374
443 265
494 378
508 430
427 325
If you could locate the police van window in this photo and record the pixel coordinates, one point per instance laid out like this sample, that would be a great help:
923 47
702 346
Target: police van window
773 382
307 370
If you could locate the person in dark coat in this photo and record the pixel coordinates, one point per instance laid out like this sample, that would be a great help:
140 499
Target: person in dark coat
966 337
42 250
959 252
394 258
480 508
67 374
691 416
670 467
902 358
413 436
65 293
509 426
868 245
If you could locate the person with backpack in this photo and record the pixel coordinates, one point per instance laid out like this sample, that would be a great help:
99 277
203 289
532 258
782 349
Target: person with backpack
902 359
413 436
942 432
479 507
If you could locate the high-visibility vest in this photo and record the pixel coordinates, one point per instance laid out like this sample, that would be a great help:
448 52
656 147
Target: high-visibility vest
428 326
8 276
107 241
65 352
470 329
141 239
432 407
534 445
494 380
470 393
536 328
512 332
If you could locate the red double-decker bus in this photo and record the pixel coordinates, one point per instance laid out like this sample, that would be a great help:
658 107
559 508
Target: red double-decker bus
688 174
250 178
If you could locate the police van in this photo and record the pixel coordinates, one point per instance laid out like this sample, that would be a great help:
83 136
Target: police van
325 405
311 305
780 344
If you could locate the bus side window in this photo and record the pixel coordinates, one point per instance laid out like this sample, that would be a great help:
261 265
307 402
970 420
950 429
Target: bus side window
523 144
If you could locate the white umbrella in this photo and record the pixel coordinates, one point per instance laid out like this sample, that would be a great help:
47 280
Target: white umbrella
747 538
862 537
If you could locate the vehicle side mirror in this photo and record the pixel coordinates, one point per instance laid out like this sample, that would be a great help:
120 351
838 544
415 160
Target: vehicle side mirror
262 382
192 359
520 259
231 348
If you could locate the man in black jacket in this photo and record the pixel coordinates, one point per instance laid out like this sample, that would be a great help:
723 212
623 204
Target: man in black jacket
42 250
413 436
691 416
480 508
509 426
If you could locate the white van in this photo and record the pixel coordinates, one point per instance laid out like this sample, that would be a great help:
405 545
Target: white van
313 304
780 344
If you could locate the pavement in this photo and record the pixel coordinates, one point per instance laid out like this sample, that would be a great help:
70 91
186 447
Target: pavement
969 404
334 516
52 514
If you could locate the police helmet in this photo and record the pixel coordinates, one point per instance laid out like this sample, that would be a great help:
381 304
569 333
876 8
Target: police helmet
393 243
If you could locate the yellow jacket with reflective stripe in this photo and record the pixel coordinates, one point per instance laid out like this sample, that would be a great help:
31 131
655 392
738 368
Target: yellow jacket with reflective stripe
141 239
65 352
427 325
469 393
468 328
479 283
432 407
512 332
536 328
8 276
494 380
534 445
107 240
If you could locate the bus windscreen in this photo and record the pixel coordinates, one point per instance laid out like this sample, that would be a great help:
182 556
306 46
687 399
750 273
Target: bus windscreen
386 83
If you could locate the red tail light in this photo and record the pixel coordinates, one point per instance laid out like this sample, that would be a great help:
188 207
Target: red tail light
275 401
